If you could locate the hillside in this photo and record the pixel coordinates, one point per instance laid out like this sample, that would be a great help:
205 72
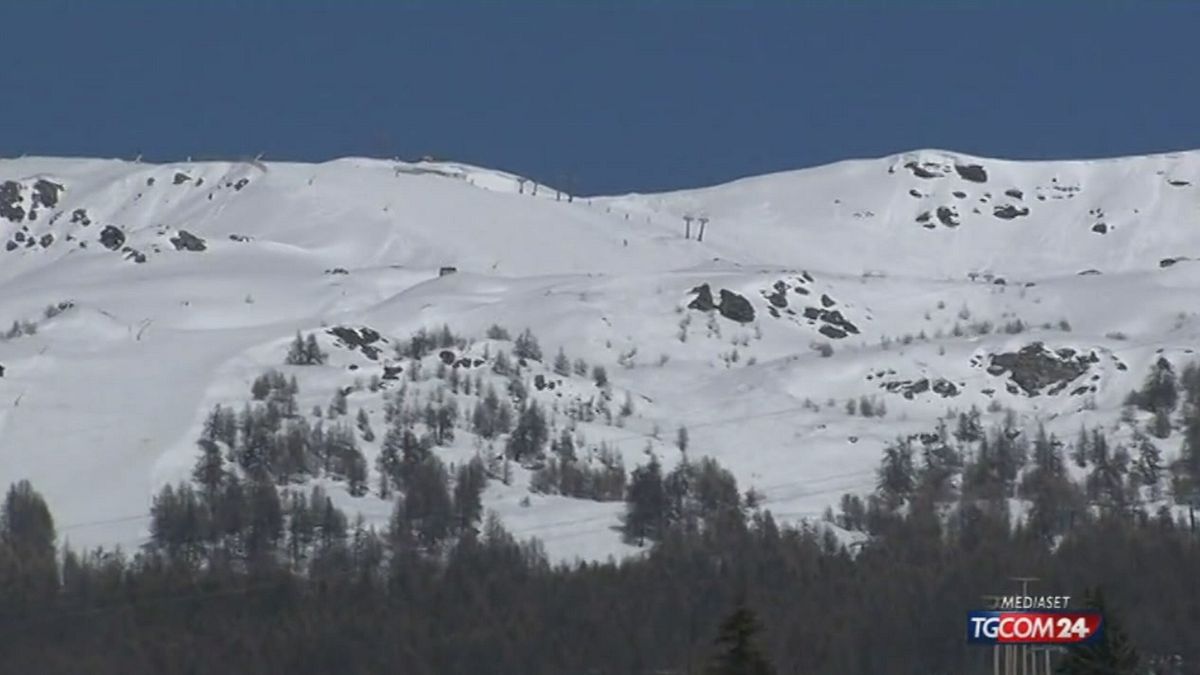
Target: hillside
145 295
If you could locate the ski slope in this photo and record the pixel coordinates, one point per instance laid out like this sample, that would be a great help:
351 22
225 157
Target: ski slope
182 282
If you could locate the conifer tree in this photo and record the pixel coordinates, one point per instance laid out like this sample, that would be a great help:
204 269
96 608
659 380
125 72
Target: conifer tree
739 652
645 515
1111 654
562 364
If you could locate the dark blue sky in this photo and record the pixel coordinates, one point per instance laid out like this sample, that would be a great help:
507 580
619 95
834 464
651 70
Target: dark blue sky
642 97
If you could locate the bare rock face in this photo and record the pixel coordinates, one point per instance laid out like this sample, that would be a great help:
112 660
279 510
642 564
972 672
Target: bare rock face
46 193
1008 212
363 339
972 172
1034 367
704 299
186 241
948 215
112 238
732 306
735 307
10 202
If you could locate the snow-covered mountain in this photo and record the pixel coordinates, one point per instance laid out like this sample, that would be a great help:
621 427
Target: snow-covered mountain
143 295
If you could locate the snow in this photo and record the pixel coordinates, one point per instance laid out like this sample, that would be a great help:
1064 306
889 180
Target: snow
103 404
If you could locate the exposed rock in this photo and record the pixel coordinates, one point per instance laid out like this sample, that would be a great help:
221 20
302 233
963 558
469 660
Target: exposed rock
921 171
448 357
910 388
778 298
242 182
948 215
735 307
944 388
827 301
46 240
831 317
832 332
704 299
1008 211
1178 183
1033 367
10 200
363 339
915 193
186 241
240 237
1100 228
959 194
46 193
1014 193
112 238
80 217
539 382
972 172
337 270
392 372
181 178
1167 262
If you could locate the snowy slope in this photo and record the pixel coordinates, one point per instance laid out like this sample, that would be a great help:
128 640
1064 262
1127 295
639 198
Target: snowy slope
103 403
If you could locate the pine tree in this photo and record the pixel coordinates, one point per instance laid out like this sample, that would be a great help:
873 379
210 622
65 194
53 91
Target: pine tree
364 426
338 406
739 653
469 483
209 471
297 355
526 346
531 434
645 515
895 480
1159 391
312 351
1148 466
562 364
1111 654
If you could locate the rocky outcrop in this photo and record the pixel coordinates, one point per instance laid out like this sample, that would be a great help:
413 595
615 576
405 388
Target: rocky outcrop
1008 211
704 299
364 339
948 216
112 238
972 172
831 318
735 307
1034 368
10 202
186 241
46 193
732 306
